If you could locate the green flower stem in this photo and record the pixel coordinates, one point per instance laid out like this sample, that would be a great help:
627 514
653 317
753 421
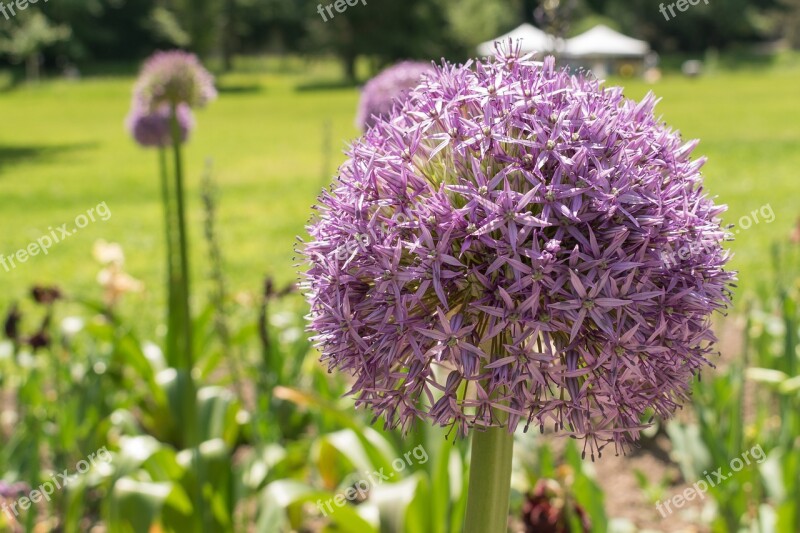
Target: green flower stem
489 481
172 278
184 311
185 335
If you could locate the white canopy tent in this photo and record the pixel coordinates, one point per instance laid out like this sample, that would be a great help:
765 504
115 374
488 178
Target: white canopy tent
600 49
603 42
531 38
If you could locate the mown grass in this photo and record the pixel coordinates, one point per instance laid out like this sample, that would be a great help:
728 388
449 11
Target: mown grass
63 150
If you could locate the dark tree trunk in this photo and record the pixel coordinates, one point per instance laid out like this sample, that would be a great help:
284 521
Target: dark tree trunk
229 35
349 65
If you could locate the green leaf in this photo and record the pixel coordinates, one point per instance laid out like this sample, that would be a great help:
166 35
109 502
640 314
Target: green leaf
258 465
393 501
337 454
790 386
136 505
586 490
133 452
767 518
772 475
440 489
766 376
281 495
217 410
175 420
688 449
457 469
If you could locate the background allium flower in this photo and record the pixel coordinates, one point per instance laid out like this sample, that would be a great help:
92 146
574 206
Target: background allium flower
174 77
496 249
154 128
9 491
391 86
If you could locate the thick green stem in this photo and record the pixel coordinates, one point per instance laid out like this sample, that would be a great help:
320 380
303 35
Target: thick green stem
489 481
185 335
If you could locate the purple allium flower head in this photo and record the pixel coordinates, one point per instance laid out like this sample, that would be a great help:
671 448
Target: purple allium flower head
154 128
500 251
13 490
174 77
390 87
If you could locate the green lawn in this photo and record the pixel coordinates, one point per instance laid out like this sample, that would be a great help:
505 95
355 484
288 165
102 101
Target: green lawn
63 150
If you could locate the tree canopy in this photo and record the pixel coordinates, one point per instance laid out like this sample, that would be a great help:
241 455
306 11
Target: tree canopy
383 30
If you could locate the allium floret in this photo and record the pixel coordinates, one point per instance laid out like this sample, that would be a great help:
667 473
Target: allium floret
493 254
154 128
387 89
174 77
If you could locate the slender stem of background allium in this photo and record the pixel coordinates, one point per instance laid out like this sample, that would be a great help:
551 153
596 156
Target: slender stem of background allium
185 330
185 336
489 481
173 322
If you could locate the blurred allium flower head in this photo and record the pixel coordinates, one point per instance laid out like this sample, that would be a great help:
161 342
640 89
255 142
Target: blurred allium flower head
172 78
154 128
493 253
9 491
390 87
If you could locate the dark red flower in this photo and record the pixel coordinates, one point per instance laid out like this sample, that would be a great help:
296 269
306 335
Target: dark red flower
46 295
11 326
545 510
41 339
